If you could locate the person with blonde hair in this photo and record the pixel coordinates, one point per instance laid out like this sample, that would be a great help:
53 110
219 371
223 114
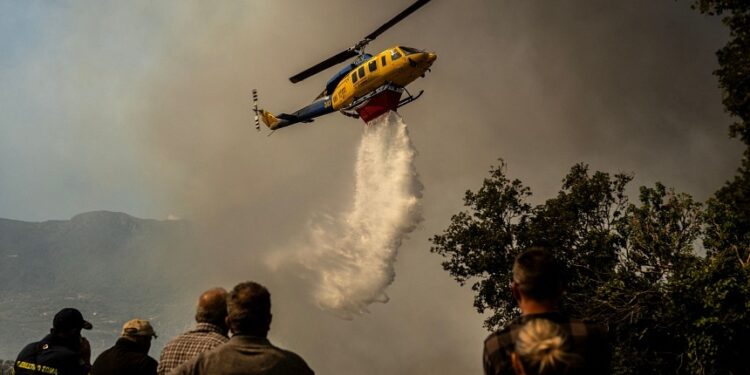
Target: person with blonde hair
543 348
537 287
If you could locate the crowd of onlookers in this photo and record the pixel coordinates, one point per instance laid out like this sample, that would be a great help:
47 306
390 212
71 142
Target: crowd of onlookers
230 337
206 349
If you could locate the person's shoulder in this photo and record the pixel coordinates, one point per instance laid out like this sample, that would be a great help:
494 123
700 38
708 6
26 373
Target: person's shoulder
288 358
193 336
497 348
290 354
29 348
143 363
150 364
296 360
58 351
175 341
503 337
193 365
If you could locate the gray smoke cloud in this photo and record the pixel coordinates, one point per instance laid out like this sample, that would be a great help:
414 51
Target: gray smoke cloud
624 86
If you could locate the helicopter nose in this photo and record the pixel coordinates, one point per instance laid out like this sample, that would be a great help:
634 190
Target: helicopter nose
431 57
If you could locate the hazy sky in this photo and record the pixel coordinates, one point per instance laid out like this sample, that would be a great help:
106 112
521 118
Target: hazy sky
143 107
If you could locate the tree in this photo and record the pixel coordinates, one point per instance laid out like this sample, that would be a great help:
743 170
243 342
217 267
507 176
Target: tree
630 266
670 309
734 61
727 231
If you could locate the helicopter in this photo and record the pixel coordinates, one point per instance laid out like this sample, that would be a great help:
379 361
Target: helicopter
366 88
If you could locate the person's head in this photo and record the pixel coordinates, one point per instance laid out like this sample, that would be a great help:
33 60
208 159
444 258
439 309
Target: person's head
212 307
542 348
249 309
68 323
537 276
140 332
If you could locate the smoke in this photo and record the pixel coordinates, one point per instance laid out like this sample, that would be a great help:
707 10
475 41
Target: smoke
350 257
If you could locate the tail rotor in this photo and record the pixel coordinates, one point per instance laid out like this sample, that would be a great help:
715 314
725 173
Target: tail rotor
256 110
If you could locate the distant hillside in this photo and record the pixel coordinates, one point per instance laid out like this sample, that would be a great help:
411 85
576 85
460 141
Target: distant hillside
108 264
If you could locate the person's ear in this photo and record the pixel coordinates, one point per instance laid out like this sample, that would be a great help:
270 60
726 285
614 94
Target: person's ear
517 365
515 291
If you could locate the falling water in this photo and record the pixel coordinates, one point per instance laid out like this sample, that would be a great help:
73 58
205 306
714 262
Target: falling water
351 256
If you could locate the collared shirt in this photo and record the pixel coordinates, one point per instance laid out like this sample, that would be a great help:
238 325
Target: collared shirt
125 358
204 337
587 340
244 355
51 356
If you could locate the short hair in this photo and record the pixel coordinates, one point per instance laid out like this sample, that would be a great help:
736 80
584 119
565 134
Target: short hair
249 308
544 348
537 274
212 307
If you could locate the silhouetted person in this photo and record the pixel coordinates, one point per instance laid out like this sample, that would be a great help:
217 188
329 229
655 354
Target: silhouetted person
248 352
63 352
210 331
537 287
129 356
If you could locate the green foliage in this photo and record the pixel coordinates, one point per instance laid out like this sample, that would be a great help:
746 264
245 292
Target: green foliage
728 217
631 266
670 309
734 61
720 325
713 300
481 242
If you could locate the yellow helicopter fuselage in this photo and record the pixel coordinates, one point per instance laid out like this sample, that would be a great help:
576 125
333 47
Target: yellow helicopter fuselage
398 66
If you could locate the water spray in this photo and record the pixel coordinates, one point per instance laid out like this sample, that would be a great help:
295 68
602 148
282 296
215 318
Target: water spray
350 257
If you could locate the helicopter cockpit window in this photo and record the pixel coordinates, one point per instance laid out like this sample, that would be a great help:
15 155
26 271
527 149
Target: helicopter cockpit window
410 51
354 77
372 66
395 55
382 60
361 72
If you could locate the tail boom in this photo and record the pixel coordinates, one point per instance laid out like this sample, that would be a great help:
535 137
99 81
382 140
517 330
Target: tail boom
317 108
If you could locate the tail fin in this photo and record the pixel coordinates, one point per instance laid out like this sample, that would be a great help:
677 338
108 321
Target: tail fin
260 114
269 119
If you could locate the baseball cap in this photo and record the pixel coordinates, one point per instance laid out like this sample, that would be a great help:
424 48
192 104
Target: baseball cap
137 327
70 318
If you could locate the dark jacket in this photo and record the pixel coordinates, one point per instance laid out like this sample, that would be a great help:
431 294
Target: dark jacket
245 355
125 358
588 340
52 355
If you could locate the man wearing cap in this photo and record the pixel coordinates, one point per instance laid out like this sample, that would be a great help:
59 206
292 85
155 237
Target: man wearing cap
209 332
129 356
63 352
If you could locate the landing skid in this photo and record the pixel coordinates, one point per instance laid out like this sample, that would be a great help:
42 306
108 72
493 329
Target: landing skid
349 113
409 98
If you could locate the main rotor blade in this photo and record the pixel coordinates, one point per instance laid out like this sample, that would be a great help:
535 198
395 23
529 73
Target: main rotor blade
331 61
396 19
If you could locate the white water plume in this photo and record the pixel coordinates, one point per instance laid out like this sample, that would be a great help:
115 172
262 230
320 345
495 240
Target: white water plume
351 256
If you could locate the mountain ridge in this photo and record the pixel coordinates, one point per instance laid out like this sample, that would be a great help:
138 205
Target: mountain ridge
110 265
